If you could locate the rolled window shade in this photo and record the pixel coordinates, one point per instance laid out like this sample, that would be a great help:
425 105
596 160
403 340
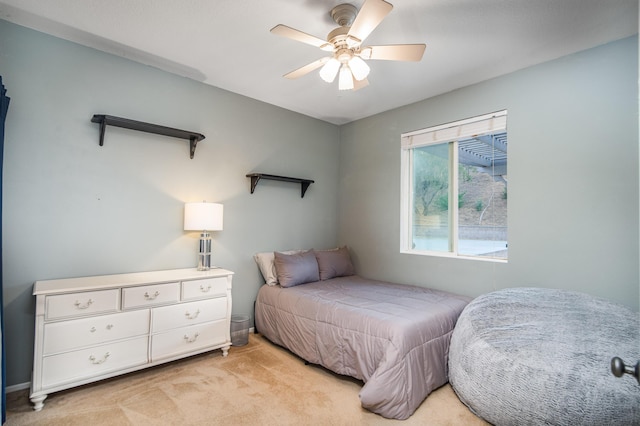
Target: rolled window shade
458 130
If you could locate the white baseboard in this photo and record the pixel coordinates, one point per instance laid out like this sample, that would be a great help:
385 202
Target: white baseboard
15 388
26 385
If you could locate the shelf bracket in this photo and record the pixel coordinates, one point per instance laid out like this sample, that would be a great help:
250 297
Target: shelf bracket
103 126
303 187
192 146
254 181
126 123
255 178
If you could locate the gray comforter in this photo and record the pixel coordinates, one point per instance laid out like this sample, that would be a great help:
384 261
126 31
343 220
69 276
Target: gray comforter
393 337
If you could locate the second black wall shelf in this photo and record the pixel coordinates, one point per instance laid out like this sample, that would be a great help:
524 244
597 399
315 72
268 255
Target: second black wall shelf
255 178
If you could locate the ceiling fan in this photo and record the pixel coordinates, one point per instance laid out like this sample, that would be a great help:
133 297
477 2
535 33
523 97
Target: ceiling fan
345 44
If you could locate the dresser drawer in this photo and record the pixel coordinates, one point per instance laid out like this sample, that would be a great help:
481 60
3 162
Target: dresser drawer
82 303
185 314
188 339
68 335
78 365
210 287
150 295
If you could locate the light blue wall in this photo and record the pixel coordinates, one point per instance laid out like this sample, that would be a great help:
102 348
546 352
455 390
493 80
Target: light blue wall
573 180
73 208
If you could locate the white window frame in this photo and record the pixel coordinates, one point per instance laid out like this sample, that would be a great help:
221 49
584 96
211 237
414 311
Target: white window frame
445 133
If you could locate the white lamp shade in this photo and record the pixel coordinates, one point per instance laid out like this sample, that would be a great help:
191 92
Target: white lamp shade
329 71
359 68
203 216
345 81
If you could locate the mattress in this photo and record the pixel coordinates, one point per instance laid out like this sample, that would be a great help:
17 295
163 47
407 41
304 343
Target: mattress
393 337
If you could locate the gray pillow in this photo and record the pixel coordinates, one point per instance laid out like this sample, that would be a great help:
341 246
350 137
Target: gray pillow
267 266
295 269
334 263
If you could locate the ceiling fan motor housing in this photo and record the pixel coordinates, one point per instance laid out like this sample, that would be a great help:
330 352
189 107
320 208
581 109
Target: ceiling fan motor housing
338 37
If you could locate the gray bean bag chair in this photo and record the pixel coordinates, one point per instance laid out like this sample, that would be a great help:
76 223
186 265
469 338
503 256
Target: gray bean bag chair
534 356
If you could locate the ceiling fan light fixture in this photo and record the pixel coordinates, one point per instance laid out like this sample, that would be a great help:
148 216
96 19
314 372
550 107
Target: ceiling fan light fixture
359 68
345 82
329 71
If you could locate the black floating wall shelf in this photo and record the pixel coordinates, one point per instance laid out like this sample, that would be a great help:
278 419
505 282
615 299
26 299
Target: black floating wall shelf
255 178
110 120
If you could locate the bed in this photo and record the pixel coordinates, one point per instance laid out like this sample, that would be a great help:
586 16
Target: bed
393 337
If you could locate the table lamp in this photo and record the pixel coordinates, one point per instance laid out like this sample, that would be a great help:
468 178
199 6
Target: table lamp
203 217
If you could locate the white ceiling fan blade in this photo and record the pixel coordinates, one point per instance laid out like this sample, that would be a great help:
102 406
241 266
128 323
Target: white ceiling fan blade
292 33
371 14
397 52
306 69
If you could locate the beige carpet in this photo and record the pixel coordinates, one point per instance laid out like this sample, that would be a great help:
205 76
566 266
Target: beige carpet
257 384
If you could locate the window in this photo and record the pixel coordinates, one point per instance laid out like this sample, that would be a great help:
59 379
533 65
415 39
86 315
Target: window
454 189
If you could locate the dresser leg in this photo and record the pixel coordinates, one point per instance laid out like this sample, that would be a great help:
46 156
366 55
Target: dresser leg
38 402
225 350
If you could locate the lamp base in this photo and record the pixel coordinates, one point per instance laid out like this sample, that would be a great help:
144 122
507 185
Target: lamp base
204 256
204 262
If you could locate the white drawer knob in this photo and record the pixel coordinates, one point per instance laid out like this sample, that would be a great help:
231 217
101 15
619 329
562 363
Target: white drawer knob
192 316
151 296
108 327
191 339
98 361
205 289
85 306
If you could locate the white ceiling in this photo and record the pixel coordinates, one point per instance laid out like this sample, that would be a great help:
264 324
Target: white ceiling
227 43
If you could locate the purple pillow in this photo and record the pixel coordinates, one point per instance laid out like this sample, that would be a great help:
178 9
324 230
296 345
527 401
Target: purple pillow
334 263
295 269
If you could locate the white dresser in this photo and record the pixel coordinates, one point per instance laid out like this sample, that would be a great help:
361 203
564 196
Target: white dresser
92 328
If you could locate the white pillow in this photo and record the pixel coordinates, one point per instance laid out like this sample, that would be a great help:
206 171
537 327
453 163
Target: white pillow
266 263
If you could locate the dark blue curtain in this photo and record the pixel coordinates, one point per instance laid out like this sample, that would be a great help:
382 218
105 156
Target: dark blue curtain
4 107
